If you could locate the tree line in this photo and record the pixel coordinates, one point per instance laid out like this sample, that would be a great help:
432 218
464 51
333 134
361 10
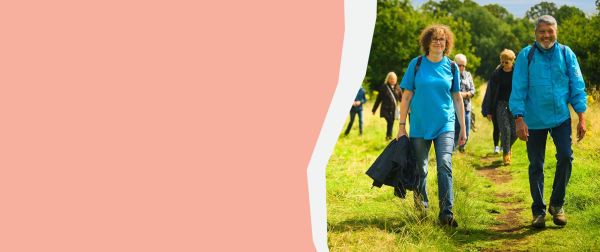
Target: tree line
480 33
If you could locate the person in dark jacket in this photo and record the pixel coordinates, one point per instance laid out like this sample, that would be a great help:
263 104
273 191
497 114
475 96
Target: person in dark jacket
357 108
496 132
389 96
497 106
396 167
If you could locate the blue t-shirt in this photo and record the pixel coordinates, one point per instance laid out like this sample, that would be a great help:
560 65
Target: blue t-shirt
432 108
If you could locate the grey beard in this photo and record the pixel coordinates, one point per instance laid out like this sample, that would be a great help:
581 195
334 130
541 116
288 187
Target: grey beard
544 47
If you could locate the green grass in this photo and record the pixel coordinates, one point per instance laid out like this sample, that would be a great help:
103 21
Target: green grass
365 219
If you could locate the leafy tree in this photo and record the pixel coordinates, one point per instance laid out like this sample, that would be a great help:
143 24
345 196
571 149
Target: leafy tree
497 10
581 35
431 7
543 8
567 12
450 5
487 32
395 40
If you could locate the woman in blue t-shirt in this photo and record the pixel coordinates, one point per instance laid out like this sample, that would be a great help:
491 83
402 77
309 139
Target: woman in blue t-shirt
433 94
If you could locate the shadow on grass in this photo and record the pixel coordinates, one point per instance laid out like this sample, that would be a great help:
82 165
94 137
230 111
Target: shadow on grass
391 224
493 165
480 238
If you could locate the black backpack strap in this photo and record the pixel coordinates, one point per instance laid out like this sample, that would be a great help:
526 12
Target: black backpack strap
534 47
453 68
418 64
530 55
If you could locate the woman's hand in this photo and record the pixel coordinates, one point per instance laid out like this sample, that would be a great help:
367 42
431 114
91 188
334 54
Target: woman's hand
489 117
462 138
401 132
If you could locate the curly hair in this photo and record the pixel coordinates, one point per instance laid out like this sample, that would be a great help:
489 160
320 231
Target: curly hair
507 55
437 31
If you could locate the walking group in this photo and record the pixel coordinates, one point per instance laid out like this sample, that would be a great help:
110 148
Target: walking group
527 98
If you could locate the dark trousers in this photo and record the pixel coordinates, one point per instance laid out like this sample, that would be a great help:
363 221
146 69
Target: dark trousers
390 126
536 151
360 120
496 134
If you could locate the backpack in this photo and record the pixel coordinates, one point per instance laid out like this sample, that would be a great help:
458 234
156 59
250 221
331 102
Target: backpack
534 47
452 67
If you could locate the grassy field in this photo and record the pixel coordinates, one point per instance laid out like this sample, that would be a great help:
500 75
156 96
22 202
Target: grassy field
362 218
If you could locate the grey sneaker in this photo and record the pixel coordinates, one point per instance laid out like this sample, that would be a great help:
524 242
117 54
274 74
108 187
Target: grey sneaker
558 215
496 150
539 221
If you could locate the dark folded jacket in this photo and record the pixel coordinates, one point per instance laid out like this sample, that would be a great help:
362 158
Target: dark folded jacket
396 166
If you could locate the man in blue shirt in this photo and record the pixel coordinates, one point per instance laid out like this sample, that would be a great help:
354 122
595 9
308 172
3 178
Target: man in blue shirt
544 82
357 108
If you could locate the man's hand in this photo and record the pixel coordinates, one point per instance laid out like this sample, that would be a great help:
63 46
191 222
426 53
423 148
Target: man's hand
522 130
581 127
489 117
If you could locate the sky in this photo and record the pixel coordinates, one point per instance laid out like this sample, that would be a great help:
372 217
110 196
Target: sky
519 7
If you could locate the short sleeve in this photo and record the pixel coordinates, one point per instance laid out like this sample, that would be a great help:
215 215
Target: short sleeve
408 81
455 79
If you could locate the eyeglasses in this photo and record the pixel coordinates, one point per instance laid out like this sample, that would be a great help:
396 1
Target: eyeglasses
439 41
461 65
505 62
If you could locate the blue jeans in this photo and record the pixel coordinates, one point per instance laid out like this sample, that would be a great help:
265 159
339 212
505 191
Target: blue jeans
457 128
443 152
536 151
360 120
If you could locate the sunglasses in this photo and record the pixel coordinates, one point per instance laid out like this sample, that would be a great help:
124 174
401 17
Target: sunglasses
505 62
461 65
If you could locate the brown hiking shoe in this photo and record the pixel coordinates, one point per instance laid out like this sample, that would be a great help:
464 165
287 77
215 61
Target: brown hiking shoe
506 159
449 221
538 221
558 215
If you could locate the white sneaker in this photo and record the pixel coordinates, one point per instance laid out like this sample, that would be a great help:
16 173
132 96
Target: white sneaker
496 150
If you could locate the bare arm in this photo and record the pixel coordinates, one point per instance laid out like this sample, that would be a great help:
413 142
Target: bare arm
581 126
406 98
460 112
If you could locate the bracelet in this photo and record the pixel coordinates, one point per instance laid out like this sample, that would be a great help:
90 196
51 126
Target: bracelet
402 123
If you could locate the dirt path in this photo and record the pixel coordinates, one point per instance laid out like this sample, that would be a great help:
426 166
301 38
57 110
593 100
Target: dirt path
511 226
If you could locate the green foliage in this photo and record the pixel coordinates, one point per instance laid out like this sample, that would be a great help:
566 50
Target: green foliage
543 8
567 12
396 38
581 35
480 33
497 10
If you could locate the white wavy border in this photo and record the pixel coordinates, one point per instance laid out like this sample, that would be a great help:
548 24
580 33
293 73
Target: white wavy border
359 17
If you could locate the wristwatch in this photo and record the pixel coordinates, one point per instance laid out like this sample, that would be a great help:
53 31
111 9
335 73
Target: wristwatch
517 116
